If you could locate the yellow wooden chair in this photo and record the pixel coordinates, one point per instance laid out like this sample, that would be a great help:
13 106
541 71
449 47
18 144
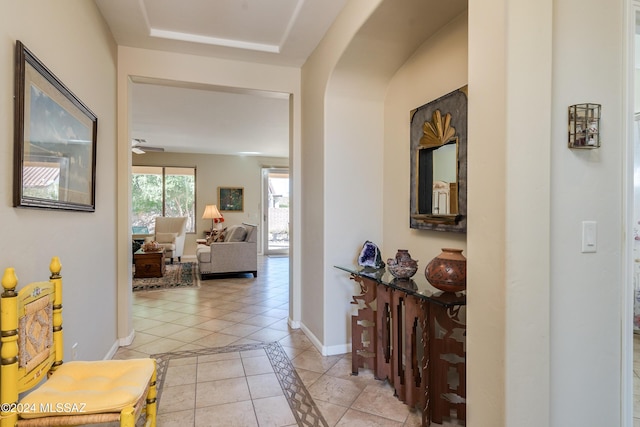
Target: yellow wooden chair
74 393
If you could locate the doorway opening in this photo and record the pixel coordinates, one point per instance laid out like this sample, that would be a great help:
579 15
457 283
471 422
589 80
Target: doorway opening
275 215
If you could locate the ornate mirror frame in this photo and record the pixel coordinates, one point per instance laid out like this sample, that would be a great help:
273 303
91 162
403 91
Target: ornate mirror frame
436 124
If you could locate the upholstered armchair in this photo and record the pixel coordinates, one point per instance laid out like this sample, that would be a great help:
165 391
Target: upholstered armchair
170 233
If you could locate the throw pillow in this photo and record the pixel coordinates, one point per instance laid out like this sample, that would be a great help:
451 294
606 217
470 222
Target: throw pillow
210 239
237 233
217 235
221 235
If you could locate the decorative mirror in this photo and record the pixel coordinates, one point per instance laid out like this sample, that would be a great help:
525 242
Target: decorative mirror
439 164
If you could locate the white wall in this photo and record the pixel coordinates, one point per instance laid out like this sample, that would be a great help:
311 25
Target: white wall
84 241
586 289
158 66
419 81
544 320
544 335
353 203
219 171
327 194
508 241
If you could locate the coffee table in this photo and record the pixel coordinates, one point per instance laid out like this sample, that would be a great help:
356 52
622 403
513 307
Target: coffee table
148 264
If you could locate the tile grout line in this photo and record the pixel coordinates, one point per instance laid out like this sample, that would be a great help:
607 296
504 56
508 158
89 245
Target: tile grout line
246 379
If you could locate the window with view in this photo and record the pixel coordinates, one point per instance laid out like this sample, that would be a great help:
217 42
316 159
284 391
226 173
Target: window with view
162 191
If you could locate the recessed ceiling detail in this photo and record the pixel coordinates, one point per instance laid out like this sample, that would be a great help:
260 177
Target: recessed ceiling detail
244 24
195 38
278 32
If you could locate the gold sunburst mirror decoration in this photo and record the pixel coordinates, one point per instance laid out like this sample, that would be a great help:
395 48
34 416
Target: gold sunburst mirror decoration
438 131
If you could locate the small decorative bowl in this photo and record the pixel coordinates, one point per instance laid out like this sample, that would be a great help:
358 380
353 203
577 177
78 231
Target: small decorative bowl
151 247
402 272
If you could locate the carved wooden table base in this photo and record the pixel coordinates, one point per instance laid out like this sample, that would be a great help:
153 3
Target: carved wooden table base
415 342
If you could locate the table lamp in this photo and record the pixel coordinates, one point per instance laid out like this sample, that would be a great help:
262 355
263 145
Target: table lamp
211 212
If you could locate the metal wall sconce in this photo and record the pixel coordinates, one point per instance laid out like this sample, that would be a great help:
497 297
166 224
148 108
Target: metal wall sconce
584 126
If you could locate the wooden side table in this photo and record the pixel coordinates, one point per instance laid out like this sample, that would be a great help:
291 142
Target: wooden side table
412 335
148 264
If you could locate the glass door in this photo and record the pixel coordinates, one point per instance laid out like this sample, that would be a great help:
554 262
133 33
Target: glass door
275 190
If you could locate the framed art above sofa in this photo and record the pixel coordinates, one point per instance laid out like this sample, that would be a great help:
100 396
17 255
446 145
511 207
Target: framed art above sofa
231 199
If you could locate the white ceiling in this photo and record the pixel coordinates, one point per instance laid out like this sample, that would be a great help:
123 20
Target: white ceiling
212 120
185 118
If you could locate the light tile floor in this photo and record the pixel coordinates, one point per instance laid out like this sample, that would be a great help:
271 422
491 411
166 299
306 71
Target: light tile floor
239 388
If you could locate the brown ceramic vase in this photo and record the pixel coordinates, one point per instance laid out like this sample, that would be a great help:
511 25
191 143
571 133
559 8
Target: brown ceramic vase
448 271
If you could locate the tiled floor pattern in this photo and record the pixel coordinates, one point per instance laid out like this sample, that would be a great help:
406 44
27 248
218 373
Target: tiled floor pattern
269 374
240 388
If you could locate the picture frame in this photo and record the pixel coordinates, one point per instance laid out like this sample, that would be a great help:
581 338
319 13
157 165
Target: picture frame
55 138
231 199
438 164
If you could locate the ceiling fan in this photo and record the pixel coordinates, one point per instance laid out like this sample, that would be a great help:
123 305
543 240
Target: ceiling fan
135 146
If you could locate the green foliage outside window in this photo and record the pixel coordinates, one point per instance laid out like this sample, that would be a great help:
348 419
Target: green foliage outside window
159 191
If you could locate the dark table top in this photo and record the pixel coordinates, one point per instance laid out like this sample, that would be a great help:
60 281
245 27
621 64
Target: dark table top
417 286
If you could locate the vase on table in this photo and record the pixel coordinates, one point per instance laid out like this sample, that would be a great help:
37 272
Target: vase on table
402 266
448 271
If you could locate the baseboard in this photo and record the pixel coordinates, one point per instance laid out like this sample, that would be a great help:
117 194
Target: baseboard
123 342
325 350
336 349
314 340
112 351
120 342
293 324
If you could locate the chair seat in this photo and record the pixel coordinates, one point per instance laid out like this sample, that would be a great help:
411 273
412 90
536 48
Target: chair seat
168 247
77 388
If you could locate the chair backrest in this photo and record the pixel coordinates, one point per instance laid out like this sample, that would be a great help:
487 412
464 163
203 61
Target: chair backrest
31 331
171 224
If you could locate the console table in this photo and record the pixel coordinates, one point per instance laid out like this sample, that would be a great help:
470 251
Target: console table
411 334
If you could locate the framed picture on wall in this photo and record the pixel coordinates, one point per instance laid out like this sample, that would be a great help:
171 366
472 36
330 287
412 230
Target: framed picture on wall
231 199
55 141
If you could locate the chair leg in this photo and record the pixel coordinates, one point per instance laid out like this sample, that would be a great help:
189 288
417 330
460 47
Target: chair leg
127 417
179 259
151 409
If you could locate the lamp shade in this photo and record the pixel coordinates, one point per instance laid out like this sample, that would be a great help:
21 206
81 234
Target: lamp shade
211 212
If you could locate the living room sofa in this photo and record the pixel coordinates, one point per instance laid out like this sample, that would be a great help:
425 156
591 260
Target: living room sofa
238 253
